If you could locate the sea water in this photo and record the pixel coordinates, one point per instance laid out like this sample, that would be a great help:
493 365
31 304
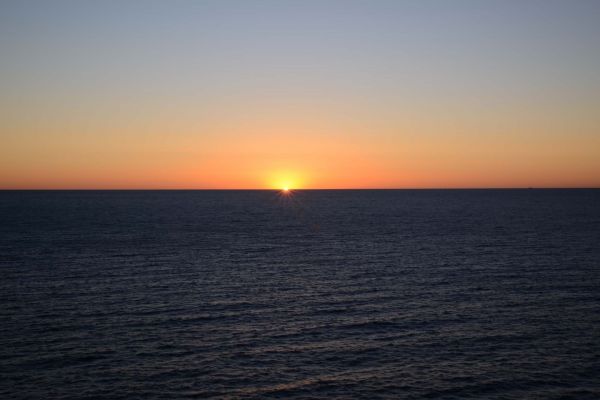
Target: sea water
373 294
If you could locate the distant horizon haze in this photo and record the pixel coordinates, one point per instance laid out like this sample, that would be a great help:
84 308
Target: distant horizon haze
292 190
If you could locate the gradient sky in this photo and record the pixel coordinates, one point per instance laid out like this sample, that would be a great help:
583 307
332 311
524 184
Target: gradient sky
310 94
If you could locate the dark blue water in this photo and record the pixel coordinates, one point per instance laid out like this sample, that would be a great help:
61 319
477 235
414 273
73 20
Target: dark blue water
326 294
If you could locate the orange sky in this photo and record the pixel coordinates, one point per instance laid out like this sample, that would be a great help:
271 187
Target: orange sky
305 150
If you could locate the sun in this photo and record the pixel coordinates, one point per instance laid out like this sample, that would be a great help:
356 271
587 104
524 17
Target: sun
285 189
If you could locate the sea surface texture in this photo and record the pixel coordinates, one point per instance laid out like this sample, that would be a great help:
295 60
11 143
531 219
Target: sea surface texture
450 294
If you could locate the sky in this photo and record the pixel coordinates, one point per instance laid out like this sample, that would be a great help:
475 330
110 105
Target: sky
305 94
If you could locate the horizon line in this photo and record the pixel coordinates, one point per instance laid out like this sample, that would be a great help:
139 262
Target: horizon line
307 189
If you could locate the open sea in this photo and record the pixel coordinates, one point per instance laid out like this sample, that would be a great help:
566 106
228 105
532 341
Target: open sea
366 294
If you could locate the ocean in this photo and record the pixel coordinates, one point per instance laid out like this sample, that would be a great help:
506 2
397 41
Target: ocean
332 294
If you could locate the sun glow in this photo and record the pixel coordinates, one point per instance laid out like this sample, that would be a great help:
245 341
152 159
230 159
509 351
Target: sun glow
285 180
